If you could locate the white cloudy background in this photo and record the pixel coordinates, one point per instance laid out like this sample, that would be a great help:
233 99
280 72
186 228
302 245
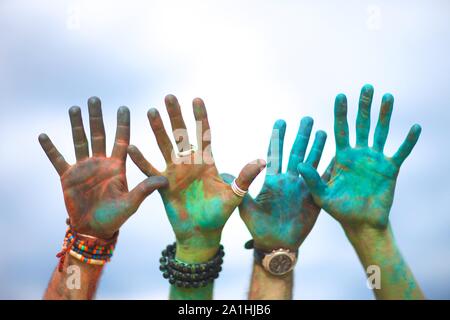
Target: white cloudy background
253 62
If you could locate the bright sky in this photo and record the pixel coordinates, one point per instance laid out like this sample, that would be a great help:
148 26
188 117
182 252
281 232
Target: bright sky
252 62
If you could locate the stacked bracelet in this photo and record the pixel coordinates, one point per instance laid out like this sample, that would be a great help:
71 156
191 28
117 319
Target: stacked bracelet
85 248
187 275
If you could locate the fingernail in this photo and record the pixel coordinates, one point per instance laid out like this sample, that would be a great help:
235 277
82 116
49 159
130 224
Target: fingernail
152 112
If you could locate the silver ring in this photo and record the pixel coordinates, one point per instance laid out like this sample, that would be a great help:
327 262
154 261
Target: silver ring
237 191
187 152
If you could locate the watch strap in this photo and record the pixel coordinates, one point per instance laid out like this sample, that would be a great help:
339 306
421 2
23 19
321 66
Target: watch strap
259 255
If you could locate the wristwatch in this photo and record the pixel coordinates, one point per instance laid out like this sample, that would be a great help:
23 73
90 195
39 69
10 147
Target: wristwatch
278 262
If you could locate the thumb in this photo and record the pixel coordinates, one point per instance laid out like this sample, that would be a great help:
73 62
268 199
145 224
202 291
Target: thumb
315 184
248 204
145 188
249 173
328 171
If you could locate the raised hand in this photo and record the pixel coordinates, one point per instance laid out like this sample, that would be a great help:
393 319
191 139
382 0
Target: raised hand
360 193
361 188
95 188
283 213
198 202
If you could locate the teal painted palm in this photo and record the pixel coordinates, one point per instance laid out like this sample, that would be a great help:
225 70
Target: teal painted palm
361 188
198 203
283 213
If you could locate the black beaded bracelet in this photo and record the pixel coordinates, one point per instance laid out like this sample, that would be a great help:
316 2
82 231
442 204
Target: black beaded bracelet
189 275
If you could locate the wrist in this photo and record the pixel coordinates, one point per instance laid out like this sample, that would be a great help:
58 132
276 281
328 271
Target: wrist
83 267
189 275
93 229
366 233
267 274
278 262
266 286
85 248
274 245
196 251
372 245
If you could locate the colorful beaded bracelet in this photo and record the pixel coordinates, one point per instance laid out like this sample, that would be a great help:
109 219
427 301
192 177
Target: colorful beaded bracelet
87 260
91 255
86 248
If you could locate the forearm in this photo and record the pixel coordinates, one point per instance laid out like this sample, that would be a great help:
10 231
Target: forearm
265 286
76 281
193 256
204 293
377 248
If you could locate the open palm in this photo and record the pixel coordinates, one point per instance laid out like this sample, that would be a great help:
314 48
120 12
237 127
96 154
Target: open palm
361 188
283 213
198 202
95 188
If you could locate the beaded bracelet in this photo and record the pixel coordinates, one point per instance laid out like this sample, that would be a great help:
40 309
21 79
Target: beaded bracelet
186 275
87 260
91 255
85 248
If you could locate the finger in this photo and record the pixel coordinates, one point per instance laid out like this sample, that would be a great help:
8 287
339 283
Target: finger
317 148
382 128
160 134
300 144
145 188
315 184
228 178
80 142
327 174
363 117
249 173
140 161
407 145
98 141
248 204
340 122
176 120
203 130
53 154
275 154
122 139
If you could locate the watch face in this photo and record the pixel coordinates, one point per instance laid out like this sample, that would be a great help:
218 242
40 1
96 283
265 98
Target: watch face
280 263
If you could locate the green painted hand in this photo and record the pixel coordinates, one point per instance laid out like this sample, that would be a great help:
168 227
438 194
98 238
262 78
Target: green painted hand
360 191
198 202
283 213
95 188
